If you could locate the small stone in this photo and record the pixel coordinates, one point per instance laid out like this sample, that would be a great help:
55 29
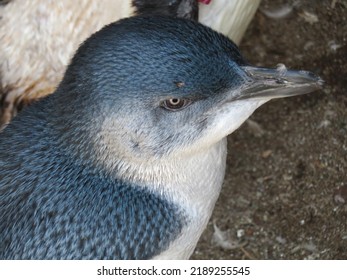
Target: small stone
340 195
240 233
266 154
281 240
309 17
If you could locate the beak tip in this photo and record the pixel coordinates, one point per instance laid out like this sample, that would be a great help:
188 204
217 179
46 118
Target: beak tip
310 76
280 82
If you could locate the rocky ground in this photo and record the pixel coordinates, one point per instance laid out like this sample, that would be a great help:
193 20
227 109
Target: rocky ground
285 191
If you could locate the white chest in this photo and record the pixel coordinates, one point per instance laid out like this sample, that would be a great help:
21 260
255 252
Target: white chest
196 193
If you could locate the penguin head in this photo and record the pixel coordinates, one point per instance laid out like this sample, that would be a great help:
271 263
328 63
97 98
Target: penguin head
149 87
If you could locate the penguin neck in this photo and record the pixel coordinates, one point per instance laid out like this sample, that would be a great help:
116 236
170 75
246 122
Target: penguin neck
194 181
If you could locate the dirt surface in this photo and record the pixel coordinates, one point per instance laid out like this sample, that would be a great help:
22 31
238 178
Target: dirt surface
285 191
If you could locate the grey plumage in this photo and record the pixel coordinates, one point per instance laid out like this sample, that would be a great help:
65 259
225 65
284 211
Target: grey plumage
126 159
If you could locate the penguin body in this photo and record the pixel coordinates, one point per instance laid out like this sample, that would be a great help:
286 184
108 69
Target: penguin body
125 160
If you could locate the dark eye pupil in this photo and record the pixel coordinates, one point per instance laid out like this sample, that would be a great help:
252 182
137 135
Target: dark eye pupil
175 101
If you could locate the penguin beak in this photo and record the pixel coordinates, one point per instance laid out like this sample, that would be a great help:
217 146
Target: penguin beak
276 83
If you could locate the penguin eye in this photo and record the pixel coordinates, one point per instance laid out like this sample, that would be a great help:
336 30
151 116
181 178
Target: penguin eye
175 104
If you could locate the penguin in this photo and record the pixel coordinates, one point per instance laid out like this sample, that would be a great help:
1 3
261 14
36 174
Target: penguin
39 37
126 159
